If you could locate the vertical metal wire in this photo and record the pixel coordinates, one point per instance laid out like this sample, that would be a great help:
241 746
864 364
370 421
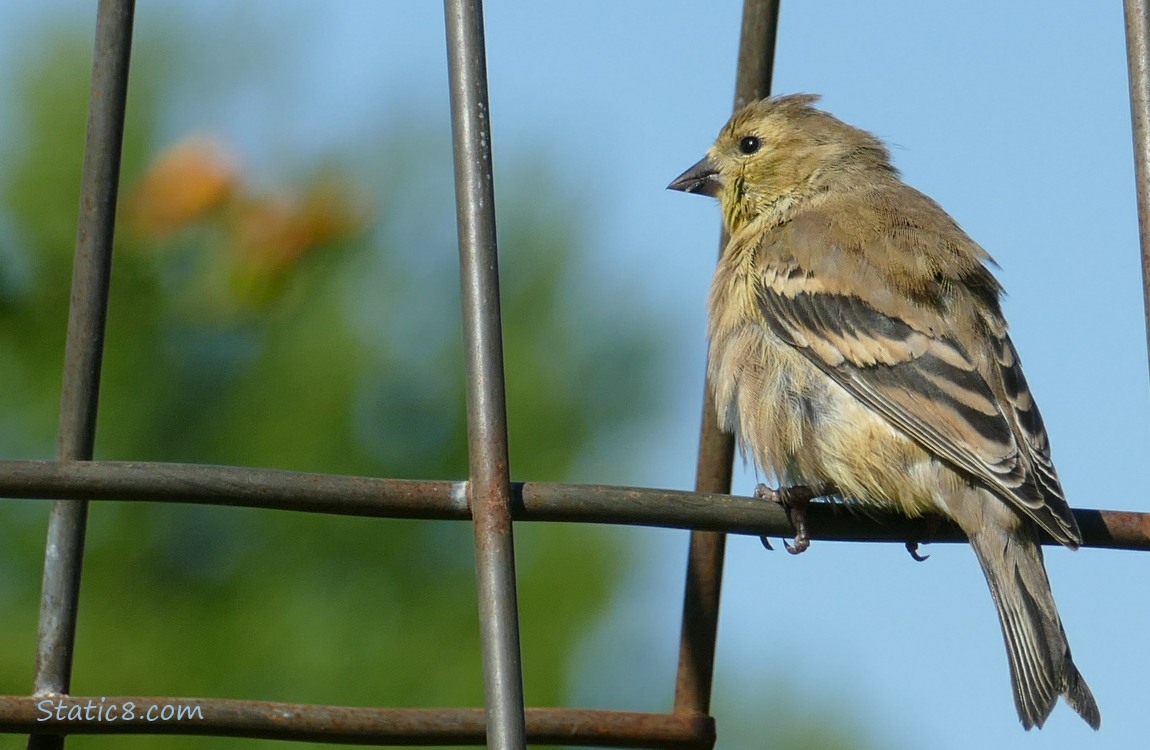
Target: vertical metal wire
489 487
1138 62
756 51
85 337
84 347
716 450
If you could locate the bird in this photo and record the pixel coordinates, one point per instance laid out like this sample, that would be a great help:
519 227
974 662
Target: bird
858 351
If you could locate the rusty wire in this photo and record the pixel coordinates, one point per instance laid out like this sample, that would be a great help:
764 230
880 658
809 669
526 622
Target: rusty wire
489 499
443 500
362 726
84 348
704 582
489 487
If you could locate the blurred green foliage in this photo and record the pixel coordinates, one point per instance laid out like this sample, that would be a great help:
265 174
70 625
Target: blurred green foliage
231 342
345 357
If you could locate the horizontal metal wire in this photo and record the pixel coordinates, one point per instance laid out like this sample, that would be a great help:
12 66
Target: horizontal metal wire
531 501
379 726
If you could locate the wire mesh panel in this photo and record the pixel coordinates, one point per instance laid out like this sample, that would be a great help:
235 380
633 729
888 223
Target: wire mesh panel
488 498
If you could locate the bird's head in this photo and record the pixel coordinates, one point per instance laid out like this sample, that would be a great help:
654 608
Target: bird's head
776 151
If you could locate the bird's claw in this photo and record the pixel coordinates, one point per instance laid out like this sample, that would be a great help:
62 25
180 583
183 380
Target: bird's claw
801 545
795 501
930 525
912 548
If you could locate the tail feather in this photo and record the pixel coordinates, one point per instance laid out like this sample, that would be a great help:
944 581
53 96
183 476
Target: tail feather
1041 667
1079 697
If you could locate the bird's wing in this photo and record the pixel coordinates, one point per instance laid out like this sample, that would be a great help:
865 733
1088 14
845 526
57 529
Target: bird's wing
915 372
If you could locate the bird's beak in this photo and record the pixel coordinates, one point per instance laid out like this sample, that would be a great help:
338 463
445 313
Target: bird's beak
701 178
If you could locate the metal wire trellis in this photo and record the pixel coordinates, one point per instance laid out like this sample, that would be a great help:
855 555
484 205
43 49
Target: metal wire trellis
488 498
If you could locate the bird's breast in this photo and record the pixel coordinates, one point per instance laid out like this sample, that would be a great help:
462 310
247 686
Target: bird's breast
801 427
769 395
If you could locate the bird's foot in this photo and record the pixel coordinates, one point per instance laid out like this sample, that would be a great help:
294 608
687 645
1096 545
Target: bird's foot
795 500
912 548
930 525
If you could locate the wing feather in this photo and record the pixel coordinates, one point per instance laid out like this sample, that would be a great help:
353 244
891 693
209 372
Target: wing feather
924 382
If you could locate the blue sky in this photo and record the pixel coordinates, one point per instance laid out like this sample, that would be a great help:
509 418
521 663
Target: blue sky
1015 118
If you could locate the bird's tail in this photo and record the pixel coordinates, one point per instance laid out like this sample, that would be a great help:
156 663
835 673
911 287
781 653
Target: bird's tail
1041 668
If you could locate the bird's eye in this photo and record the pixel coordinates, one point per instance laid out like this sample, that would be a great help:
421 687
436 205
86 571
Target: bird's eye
750 144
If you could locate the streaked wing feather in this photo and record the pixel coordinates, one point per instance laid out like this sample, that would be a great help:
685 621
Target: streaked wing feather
926 385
